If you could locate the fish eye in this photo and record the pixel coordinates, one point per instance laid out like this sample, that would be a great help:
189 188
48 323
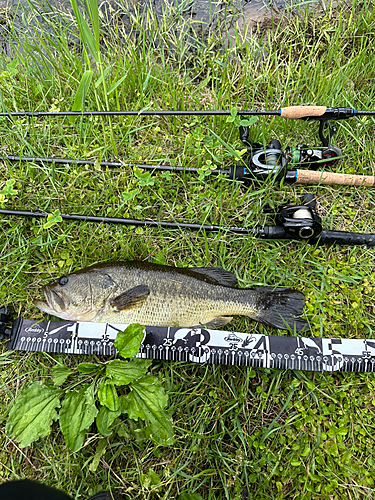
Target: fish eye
63 280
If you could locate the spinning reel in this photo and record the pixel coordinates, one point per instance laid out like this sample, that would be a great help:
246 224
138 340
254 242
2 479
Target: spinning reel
271 160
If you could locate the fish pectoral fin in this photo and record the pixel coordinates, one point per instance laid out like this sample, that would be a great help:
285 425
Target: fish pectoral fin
219 321
131 299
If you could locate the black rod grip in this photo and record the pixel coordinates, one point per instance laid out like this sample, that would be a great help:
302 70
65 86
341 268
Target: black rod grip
327 237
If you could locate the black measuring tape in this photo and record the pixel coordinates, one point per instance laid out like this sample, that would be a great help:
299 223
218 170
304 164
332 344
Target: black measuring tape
198 345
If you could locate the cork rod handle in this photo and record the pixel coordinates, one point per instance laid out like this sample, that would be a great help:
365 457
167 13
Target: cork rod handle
329 178
296 112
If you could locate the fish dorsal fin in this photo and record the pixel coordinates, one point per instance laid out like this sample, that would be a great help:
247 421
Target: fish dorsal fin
131 299
217 275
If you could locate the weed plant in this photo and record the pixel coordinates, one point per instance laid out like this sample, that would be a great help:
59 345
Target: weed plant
239 432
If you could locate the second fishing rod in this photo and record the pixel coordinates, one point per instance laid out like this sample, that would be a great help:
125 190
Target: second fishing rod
264 164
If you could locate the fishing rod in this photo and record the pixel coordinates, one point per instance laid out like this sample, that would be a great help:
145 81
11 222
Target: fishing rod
196 345
292 222
290 112
263 164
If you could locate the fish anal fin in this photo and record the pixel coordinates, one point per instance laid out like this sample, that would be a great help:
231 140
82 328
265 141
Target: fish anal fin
131 299
217 275
219 321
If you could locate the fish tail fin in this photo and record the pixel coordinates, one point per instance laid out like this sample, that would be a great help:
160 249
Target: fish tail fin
280 308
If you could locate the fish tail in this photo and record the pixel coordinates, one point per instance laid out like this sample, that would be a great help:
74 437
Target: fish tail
280 308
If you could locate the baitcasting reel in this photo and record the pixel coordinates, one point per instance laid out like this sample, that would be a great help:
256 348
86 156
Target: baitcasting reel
299 222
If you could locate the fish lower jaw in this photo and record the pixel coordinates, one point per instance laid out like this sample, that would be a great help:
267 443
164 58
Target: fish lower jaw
43 306
87 316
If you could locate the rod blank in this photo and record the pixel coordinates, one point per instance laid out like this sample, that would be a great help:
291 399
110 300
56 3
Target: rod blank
129 222
109 164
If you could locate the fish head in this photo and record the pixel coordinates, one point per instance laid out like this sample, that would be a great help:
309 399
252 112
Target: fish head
80 296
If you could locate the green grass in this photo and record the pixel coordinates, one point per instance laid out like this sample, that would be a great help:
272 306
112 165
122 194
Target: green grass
280 434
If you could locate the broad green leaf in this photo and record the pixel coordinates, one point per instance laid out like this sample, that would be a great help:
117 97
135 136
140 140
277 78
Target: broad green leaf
89 367
123 372
105 419
129 195
128 342
80 97
159 258
189 496
233 116
12 67
161 432
8 188
53 219
60 373
78 412
32 413
150 480
147 401
149 389
144 178
246 122
99 452
108 396
295 462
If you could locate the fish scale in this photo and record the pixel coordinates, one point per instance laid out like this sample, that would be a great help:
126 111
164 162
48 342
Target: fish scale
159 295
170 303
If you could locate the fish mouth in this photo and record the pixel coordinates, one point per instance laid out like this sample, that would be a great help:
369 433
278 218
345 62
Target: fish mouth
54 304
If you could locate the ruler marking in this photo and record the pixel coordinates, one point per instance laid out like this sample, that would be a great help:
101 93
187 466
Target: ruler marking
201 345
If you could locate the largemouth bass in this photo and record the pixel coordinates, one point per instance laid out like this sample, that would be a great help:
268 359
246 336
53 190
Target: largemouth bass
158 295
